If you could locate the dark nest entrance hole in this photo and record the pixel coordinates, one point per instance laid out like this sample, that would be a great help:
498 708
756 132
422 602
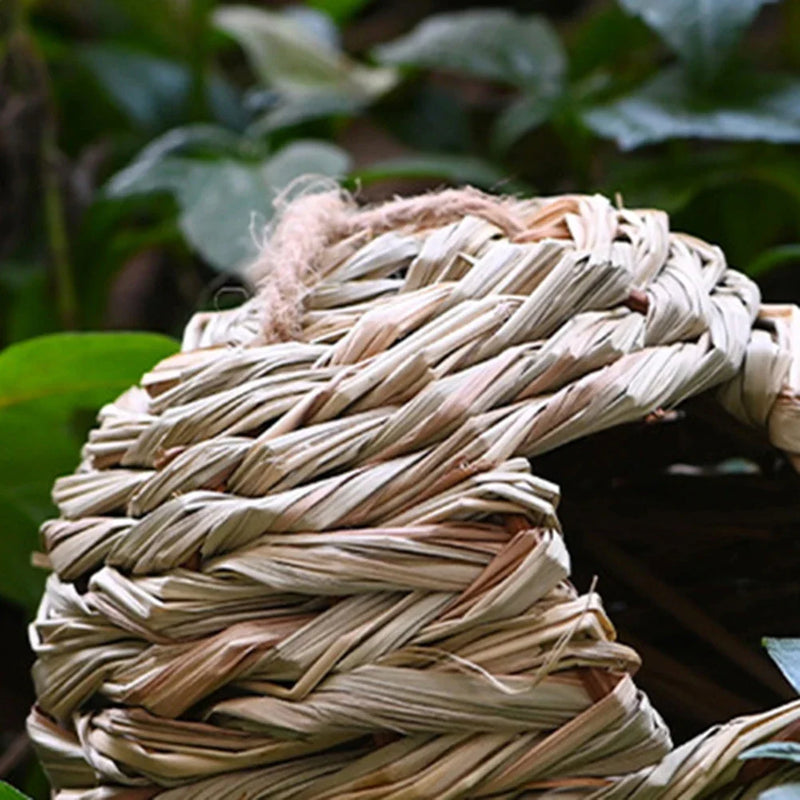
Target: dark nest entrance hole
692 524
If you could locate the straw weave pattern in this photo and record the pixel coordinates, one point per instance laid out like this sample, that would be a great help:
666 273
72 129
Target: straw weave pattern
324 567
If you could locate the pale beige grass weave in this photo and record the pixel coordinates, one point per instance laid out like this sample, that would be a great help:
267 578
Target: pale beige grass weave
308 558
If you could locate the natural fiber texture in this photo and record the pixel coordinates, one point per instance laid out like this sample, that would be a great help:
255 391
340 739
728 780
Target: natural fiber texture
308 557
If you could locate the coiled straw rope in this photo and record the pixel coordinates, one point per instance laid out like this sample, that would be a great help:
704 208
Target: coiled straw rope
307 558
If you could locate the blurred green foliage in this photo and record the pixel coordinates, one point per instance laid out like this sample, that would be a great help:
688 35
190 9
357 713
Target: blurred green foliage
50 389
143 142
10 793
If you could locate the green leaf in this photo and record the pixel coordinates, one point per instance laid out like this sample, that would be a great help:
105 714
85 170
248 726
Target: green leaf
19 581
89 367
152 91
8 792
429 117
702 33
146 173
717 213
452 168
767 109
316 24
196 140
711 188
290 110
523 115
339 10
774 257
49 388
304 158
785 751
786 654
670 183
110 233
225 102
295 62
491 44
134 20
610 40
789 791
219 199
27 306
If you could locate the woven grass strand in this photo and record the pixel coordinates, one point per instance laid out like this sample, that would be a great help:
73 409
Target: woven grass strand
307 557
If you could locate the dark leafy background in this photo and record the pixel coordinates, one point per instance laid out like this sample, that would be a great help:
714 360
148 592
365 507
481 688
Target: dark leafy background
142 142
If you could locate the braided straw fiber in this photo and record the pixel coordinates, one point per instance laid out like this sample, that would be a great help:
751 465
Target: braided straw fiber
307 558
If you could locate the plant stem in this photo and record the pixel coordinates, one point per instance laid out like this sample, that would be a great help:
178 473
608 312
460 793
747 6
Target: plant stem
52 200
576 141
197 26
55 224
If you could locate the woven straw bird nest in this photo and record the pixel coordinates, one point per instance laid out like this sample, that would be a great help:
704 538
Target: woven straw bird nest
307 557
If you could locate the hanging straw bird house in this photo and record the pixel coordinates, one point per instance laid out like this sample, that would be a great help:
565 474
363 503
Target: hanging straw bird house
308 558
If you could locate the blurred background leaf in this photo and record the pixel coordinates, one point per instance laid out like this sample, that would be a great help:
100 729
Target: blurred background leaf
766 110
10 793
153 91
295 60
786 654
783 751
225 202
50 390
495 45
702 34
788 792
339 10
449 168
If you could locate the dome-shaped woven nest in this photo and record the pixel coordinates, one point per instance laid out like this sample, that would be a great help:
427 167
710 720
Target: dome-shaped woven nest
308 557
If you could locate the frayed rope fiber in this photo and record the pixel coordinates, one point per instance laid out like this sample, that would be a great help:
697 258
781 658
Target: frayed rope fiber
314 222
